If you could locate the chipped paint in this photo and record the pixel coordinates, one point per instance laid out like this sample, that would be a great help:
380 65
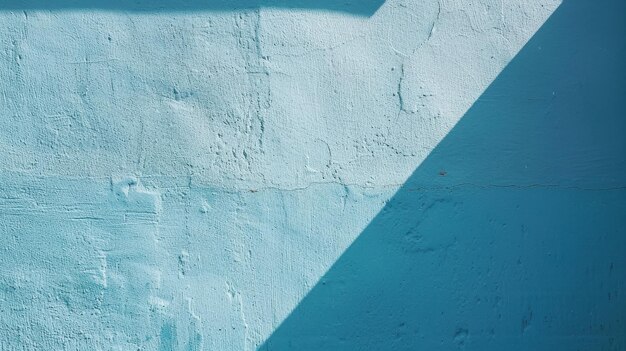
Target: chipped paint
186 178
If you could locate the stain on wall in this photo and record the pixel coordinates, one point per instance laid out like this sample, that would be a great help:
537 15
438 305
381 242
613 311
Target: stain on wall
312 176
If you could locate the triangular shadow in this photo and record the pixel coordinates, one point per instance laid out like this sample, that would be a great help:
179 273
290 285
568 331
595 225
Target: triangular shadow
489 244
356 7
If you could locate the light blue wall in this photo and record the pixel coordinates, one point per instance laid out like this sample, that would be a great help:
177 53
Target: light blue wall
400 175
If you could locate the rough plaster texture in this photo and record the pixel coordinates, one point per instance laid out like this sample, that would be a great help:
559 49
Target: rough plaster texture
222 177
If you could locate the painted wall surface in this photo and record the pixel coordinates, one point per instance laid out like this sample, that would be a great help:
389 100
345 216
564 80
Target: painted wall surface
312 175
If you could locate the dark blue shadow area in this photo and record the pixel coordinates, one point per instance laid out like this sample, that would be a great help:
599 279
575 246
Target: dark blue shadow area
357 7
512 234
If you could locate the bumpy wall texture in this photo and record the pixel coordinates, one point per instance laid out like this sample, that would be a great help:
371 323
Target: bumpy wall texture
312 175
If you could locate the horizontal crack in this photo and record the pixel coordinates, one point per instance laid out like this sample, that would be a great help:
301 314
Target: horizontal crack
190 184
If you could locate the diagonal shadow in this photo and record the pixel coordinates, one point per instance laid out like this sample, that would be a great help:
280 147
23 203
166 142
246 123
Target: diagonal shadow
510 235
357 7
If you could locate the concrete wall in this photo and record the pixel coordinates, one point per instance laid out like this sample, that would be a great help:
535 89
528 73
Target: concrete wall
312 175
